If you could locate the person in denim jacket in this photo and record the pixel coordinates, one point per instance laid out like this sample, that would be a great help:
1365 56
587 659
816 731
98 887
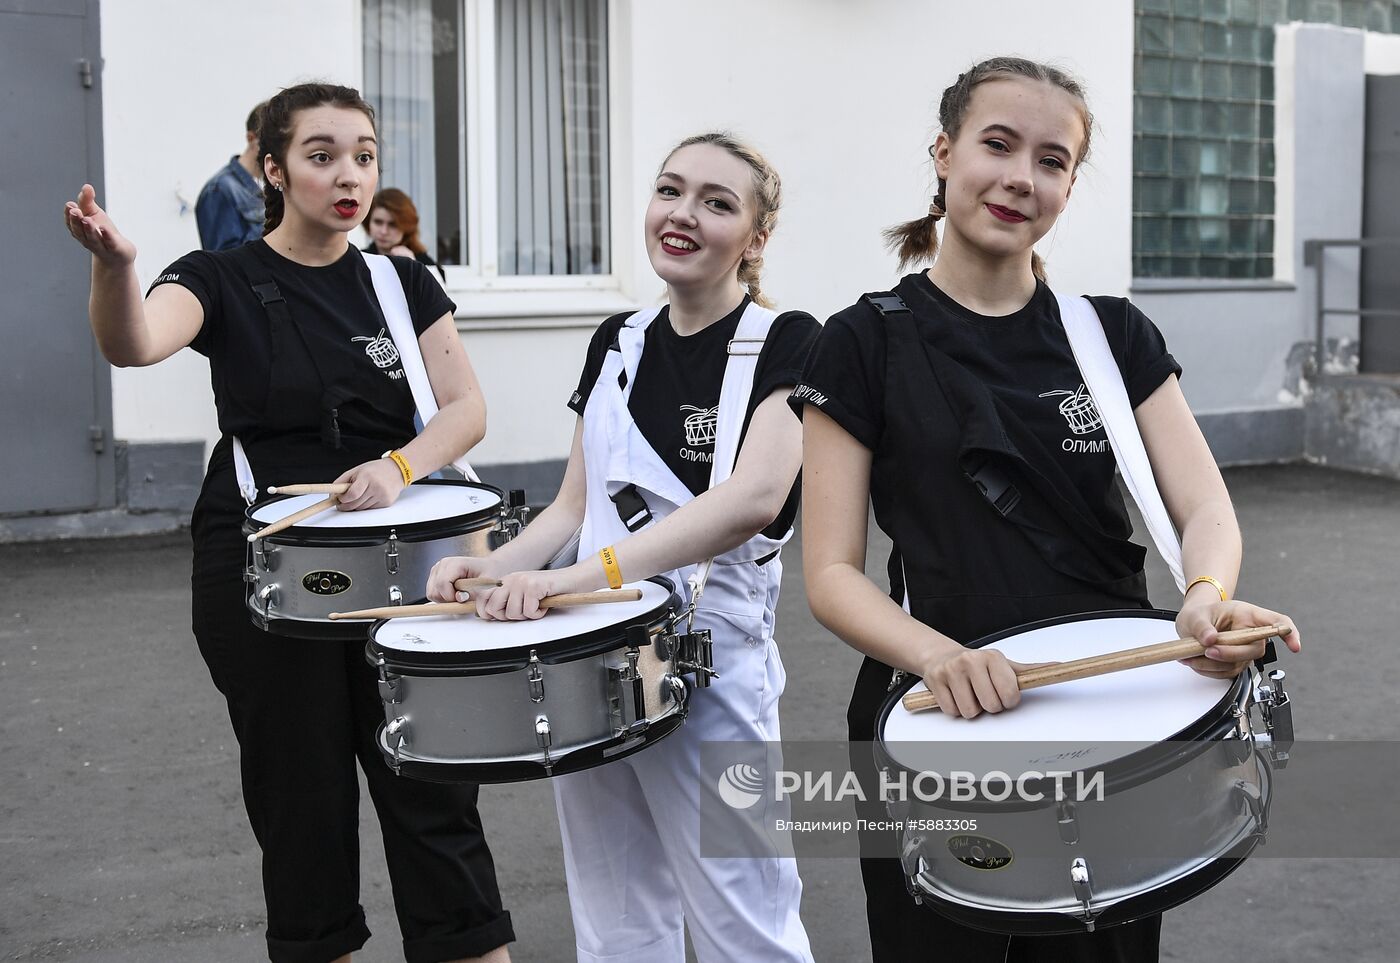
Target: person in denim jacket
229 211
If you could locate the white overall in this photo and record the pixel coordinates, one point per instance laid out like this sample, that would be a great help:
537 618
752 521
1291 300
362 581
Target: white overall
631 827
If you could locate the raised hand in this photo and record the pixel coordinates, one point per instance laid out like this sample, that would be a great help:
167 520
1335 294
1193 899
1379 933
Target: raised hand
92 227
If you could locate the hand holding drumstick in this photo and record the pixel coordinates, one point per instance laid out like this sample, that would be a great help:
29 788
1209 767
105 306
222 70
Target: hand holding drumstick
1055 672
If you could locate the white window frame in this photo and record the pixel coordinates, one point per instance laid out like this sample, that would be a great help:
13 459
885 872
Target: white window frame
482 292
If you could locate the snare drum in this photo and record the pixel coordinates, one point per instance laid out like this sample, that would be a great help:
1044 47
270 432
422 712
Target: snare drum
470 700
342 561
1184 792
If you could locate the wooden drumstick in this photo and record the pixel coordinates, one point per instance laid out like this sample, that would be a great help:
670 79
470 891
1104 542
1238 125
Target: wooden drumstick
1094 665
564 601
295 517
472 584
329 488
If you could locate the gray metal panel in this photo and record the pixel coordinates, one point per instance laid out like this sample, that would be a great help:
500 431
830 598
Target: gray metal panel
54 389
1380 217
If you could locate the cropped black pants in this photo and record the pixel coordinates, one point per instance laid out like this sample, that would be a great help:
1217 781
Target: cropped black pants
305 713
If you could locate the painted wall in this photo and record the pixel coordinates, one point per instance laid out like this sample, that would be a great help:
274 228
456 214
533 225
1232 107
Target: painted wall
178 81
845 107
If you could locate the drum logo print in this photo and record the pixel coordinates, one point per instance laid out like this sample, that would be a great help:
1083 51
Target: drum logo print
700 425
979 852
741 786
1078 408
381 350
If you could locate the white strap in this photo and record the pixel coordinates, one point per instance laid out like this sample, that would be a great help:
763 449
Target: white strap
740 369
1105 383
392 301
247 486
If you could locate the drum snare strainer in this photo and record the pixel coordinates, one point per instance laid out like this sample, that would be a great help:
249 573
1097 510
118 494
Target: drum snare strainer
471 700
1182 794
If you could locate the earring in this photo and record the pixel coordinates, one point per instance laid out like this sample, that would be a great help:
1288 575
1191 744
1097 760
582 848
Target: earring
277 187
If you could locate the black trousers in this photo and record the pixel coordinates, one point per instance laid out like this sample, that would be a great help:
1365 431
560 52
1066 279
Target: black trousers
305 712
902 931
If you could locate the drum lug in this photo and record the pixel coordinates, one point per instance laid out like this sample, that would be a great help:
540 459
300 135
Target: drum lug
513 515
895 680
544 740
1277 711
535 679
388 682
696 653
267 595
397 731
395 595
1082 880
1246 794
264 555
391 555
1068 820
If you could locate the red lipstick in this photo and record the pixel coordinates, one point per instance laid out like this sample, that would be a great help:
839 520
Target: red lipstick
678 245
347 208
1005 214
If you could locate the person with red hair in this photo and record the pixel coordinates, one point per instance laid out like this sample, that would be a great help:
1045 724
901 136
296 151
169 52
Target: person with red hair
393 228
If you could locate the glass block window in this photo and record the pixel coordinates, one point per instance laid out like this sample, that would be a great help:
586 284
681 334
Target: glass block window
1203 129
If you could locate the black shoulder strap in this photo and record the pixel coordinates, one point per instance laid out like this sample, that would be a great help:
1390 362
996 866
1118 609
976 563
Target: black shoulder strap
886 303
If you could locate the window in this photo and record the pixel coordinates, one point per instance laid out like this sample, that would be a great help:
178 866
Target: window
494 119
1203 129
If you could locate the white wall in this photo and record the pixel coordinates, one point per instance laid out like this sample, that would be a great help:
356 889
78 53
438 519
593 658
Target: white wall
841 95
178 81
843 99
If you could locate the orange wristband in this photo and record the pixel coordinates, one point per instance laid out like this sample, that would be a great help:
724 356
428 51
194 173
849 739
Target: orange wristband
1224 595
404 470
614 573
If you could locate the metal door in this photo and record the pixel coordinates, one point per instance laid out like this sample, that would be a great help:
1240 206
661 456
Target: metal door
55 389
1380 218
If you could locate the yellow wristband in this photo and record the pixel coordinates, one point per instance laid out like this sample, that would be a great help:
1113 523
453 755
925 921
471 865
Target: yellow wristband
404 470
614 573
1224 595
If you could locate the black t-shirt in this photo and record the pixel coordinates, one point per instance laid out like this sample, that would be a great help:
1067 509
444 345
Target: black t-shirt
340 335
676 396
1024 358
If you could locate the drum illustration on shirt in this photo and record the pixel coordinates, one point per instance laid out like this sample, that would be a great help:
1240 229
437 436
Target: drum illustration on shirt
1079 409
381 350
700 426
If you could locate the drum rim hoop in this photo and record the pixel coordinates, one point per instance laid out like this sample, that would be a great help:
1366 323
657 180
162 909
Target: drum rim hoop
493 661
310 536
1119 774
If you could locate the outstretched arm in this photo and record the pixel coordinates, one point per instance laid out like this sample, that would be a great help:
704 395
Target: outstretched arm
130 332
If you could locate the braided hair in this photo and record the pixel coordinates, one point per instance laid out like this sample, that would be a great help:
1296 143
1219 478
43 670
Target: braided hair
917 240
767 196
277 123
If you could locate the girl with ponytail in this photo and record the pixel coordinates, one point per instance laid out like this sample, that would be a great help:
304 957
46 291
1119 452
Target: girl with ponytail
944 404
648 495
284 321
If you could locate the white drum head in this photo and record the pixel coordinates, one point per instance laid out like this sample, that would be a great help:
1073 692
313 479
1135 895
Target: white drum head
1103 718
467 633
417 503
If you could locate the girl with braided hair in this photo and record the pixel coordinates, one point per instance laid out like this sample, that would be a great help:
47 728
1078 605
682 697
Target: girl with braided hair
654 494
298 390
935 402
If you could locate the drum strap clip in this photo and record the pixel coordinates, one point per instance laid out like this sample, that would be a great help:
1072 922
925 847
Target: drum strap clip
996 485
632 508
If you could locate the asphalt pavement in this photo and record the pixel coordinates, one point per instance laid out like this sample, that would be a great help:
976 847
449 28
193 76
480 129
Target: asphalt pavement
123 836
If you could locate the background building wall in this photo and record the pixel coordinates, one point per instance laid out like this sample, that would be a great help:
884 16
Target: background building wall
179 79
